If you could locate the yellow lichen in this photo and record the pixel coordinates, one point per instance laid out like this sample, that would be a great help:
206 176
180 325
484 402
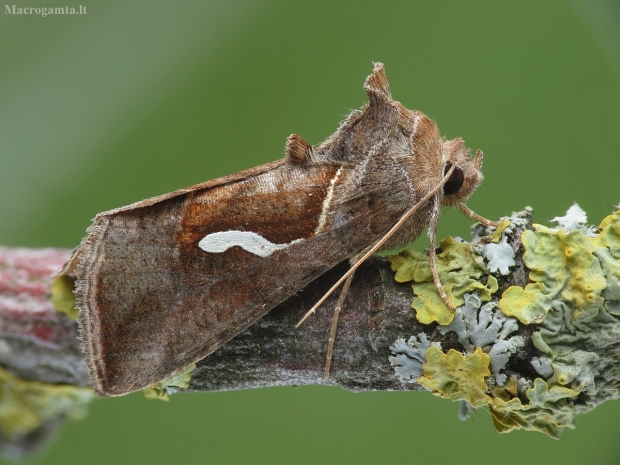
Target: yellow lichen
576 276
573 297
496 236
451 375
429 306
460 268
563 379
62 296
179 380
410 265
529 304
548 411
610 234
607 245
457 377
26 405
563 265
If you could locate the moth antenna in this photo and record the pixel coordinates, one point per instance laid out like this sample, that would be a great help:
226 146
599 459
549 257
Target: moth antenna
379 244
298 150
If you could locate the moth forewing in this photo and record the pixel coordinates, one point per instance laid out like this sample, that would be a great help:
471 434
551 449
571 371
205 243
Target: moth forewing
164 282
152 300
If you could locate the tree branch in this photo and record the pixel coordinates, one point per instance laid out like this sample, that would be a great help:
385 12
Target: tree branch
556 359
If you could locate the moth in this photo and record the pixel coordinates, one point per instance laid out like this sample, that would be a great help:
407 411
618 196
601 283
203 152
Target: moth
166 281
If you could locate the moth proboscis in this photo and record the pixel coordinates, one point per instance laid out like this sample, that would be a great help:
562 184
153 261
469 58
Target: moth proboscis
164 282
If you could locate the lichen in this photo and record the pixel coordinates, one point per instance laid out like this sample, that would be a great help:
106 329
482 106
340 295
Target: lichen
607 245
461 269
572 307
457 377
482 233
549 410
577 369
498 253
573 299
167 386
464 410
575 218
26 405
529 304
485 327
462 378
62 296
564 267
543 366
409 357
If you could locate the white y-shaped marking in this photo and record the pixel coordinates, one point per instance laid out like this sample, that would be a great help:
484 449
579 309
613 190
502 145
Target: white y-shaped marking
219 242
327 202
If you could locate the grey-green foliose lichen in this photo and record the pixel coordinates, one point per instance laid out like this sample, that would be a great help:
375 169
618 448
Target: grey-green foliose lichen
566 319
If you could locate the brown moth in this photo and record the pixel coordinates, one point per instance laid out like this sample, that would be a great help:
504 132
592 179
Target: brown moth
164 282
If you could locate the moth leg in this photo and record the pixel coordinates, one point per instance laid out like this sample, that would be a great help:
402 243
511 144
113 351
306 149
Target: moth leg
361 258
432 259
432 264
332 331
474 216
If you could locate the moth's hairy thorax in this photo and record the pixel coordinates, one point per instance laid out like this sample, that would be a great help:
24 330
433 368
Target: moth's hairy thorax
384 197
391 158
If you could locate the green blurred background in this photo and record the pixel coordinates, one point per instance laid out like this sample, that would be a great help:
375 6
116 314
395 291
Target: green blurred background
138 98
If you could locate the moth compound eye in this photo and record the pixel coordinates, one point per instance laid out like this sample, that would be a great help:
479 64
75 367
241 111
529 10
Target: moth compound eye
455 182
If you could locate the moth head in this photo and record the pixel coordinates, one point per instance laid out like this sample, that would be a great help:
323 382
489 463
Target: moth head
466 176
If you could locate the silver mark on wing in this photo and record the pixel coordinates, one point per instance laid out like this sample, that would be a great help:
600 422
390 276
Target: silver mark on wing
256 244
